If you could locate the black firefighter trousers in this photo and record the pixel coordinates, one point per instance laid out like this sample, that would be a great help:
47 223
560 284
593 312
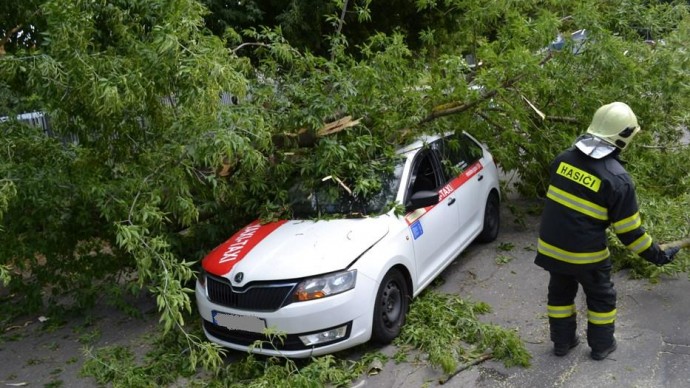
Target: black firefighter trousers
601 299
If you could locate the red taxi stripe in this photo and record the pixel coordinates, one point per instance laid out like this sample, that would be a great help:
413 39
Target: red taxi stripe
221 260
446 190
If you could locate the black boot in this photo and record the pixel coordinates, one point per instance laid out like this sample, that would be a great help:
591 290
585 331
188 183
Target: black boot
602 354
562 349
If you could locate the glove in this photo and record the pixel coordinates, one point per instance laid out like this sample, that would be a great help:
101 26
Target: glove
670 253
664 257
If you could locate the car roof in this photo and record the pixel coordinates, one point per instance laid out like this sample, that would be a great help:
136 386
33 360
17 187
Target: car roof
418 143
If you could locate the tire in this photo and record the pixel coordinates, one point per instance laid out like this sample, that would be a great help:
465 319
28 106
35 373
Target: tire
392 303
492 219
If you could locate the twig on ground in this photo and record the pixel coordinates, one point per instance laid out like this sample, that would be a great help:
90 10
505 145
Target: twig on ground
482 358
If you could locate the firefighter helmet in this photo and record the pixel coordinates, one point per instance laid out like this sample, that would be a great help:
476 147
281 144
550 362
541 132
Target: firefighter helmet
614 123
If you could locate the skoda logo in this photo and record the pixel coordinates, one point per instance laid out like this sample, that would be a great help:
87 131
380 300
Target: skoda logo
239 277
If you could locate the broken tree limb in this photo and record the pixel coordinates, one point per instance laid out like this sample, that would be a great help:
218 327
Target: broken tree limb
534 108
304 137
457 107
337 126
227 167
684 243
544 117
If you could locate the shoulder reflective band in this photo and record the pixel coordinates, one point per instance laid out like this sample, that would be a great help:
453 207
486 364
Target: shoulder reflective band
560 311
627 224
641 244
578 204
571 257
601 318
578 176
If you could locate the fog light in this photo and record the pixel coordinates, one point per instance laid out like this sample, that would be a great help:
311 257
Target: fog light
324 336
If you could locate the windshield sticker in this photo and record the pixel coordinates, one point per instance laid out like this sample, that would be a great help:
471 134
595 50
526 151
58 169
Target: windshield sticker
417 229
221 260
415 214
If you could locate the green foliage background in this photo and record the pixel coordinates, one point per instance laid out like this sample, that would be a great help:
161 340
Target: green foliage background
126 186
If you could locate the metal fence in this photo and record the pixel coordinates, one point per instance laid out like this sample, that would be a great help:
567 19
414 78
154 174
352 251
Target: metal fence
36 119
41 120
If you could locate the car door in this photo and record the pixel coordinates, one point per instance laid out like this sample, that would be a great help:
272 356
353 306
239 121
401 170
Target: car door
435 227
463 178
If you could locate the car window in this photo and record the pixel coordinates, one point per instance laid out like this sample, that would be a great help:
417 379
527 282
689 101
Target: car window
423 175
457 153
328 198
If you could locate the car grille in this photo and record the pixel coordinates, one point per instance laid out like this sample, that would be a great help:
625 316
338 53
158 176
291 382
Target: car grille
245 338
257 297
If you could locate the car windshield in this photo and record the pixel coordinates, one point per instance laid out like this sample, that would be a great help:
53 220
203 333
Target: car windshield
330 198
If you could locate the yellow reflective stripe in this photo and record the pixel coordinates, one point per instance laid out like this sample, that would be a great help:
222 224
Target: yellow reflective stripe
641 244
601 318
560 311
627 224
578 204
571 257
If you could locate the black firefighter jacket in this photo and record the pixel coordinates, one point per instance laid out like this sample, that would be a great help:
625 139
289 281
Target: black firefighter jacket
585 197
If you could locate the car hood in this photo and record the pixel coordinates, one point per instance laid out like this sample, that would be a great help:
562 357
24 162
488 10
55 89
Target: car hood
293 249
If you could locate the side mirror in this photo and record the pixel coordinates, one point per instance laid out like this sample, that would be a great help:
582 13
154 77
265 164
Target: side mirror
422 198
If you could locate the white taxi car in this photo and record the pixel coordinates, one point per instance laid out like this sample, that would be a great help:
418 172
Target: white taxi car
327 285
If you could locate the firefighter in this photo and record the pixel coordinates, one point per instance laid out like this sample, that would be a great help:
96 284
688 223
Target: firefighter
590 190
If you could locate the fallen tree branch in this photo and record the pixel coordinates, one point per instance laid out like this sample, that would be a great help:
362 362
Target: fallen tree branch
562 119
663 147
259 44
306 138
684 243
456 107
482 358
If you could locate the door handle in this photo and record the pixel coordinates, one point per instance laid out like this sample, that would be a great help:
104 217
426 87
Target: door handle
480 177
451 201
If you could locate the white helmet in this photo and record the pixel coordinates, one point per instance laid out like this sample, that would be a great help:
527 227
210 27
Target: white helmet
615 123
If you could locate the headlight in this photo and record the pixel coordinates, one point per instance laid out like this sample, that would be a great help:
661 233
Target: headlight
321 287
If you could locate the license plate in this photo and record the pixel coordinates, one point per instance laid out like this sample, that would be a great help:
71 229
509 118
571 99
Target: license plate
239 322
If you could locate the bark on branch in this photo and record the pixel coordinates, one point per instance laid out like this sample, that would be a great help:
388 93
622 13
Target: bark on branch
684 243
341 21
458 107
562 119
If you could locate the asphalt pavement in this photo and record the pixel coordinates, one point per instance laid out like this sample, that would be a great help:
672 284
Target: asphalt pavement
652 327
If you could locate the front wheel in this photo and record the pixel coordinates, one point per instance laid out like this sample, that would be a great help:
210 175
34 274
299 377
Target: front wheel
492 219
392 302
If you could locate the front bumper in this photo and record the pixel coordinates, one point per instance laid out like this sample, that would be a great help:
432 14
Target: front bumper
353 309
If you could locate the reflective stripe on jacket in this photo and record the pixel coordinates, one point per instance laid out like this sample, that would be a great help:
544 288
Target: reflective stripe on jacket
585 196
